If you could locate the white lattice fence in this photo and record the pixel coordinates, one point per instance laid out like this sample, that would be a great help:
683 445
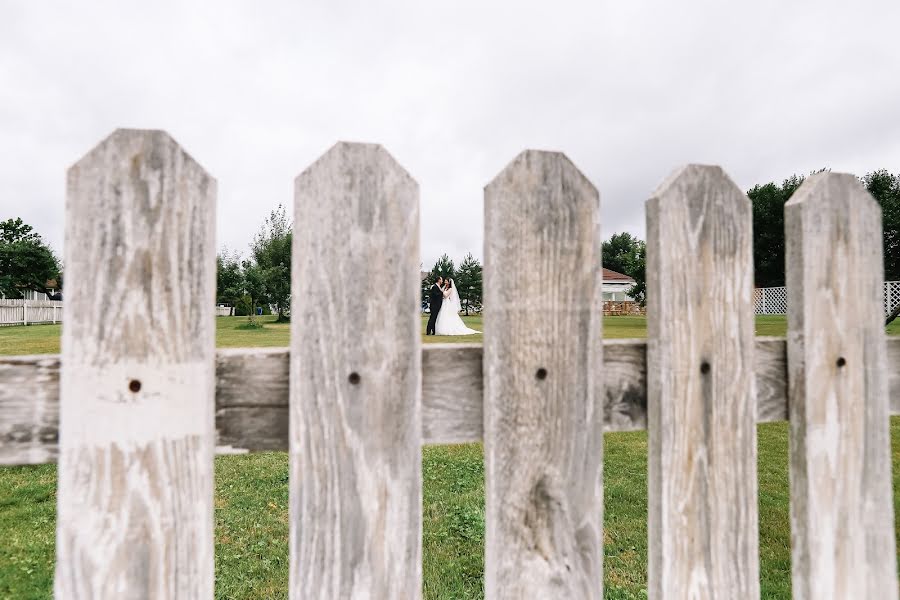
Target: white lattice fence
770 301
773 300
891 296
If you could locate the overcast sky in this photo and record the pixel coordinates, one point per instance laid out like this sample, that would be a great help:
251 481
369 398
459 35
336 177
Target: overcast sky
256 91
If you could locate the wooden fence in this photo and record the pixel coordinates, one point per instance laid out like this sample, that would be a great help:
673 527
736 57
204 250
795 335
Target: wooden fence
29 312
134 409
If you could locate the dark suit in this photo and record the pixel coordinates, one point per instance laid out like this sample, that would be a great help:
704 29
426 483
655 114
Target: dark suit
435 299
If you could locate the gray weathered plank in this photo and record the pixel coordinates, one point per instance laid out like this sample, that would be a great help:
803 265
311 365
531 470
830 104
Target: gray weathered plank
29 409
355 416
452 381
135 492
252 395
842 519
702 494
543 419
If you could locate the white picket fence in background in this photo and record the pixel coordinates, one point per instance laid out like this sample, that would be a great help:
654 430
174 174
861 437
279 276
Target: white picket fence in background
29 312
134 408
773 300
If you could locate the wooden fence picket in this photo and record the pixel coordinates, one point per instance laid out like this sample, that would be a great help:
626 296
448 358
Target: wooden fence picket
702 518
355 416
841 494
135 491
543 400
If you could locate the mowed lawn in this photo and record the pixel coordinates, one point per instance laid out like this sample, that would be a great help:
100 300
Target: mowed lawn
252 497
44 339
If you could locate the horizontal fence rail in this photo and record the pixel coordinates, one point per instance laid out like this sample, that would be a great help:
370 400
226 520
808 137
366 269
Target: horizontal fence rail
252 395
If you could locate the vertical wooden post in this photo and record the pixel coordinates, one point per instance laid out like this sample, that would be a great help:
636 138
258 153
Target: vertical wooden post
25 312
135 512
355 429
702 520
543 413
842 518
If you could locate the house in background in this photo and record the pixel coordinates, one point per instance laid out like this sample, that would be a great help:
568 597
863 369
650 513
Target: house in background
33 295
616 286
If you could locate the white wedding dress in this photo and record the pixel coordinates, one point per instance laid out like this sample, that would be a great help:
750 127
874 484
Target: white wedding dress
448 320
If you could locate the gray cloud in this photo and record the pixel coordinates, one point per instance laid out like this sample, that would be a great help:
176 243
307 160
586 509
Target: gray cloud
629 91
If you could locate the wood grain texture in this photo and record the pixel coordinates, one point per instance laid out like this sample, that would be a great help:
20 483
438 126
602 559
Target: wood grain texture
543 366
840 453
702 492
29 409
452 380
355 416
135 506
252 395
252 398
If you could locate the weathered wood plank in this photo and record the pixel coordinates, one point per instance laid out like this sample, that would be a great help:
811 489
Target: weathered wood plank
543 382
702 494
452 381
842 514
252 395
29 409
135 491
355 415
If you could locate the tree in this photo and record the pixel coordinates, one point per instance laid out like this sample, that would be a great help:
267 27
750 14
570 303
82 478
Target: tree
468 283
254 287
626 254
885 187
26 262
229 278
768 224
768 229
639 273
442 268
271 250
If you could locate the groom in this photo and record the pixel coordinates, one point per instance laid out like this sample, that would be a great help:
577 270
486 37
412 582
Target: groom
435 298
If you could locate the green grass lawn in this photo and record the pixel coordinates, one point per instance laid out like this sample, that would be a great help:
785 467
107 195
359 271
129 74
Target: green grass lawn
44 339
252 497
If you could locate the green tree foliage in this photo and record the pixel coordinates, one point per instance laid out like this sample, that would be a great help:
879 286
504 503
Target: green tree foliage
443 268
26 262
768 224
768 230
468 283
885 187
254 287
229 279
271 250
626 254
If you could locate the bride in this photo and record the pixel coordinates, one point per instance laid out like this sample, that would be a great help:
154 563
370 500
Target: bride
448 320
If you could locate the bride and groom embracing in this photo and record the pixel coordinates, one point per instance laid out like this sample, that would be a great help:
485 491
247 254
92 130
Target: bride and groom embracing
445 306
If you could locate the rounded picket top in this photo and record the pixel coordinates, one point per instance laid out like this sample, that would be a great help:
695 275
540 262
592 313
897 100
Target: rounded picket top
537 171
695 184
360 161
842 191
157 146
